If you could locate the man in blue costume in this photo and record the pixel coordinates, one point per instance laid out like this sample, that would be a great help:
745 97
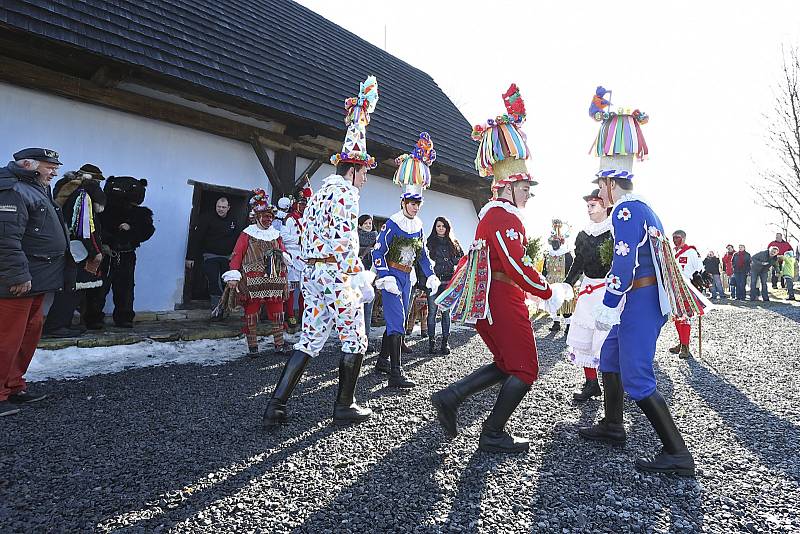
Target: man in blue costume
399 246
635 306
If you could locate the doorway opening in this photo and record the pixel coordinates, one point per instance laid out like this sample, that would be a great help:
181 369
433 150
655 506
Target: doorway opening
204 200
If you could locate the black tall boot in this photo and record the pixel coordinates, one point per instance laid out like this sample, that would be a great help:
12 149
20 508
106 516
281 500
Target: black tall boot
445 348
345 410
591 388
382 363
674 457
432 344
290 377
397 379
447 400
610 428
494 438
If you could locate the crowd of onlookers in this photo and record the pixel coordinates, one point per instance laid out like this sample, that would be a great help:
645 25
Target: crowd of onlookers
728 276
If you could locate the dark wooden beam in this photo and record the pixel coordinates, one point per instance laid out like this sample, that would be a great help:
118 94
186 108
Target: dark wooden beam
286 165
309 171
266 164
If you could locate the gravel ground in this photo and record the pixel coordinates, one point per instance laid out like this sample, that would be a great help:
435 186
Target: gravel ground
180 448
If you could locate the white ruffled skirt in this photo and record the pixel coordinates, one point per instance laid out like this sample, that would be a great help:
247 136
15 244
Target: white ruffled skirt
584 341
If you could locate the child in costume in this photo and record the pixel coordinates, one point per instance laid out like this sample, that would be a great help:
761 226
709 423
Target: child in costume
643 288
399 247
489 285
691 265
557 262
290 233
258 274
584 340
335 283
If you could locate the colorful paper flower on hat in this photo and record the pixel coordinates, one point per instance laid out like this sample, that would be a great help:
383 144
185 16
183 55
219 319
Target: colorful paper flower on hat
260 201
624 214
613 281
515 106
358 108
357 116
622 249
512 234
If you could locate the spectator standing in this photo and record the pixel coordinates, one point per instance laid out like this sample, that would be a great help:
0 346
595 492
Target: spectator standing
761 264
291 233
782 245
787 272
711 266
33 259
727 273
445 251
82 200
366 240
211 242
741 268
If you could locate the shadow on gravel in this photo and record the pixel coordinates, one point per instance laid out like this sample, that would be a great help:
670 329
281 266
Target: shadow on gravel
774 440
403 481
466 509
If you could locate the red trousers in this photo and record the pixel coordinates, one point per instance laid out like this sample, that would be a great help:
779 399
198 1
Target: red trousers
510 336
20 330
684 329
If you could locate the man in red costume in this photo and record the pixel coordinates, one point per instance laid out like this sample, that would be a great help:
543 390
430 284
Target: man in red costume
505 273
690 263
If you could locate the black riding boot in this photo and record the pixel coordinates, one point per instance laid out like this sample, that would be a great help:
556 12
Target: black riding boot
494 438
590 389
447 400
290 377
432 344
610 428
382 363
397 379
346 410
445 348
674 457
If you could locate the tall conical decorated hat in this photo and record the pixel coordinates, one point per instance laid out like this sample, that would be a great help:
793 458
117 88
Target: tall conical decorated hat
413 170
620 138
503 149
357 111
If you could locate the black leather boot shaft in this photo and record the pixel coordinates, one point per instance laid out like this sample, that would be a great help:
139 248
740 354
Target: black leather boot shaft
290 377
494 438
397 378
674 457
346 409
450 398
382 363
613 397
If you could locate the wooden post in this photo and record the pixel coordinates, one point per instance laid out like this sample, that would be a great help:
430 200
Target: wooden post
700 336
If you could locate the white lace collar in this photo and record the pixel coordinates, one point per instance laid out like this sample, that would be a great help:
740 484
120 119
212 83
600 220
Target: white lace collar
594 229
508 206
409 226
268 234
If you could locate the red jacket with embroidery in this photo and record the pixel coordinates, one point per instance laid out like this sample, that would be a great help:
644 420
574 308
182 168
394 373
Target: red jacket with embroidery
502 230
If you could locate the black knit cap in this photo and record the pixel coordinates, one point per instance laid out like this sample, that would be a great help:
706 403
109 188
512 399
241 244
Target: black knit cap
94 170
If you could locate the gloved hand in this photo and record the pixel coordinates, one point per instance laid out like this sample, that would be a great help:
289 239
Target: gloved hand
604 317
367 294
388 283
433 283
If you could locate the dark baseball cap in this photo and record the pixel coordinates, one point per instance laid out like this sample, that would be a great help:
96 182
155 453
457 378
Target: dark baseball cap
38 154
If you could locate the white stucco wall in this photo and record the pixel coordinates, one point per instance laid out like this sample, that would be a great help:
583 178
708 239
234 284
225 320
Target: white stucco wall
382 197
125 144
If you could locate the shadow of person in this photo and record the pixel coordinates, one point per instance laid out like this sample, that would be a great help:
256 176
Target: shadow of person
466 509
774 440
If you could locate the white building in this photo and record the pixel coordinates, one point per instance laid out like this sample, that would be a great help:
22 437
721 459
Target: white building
185 111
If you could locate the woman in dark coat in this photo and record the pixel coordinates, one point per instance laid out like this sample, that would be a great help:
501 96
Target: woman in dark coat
445 252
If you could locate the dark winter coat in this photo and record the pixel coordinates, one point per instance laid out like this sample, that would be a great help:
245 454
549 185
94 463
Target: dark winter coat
744 257
213 235
33 238
366 242
763 259
446 256
587 257
711 265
